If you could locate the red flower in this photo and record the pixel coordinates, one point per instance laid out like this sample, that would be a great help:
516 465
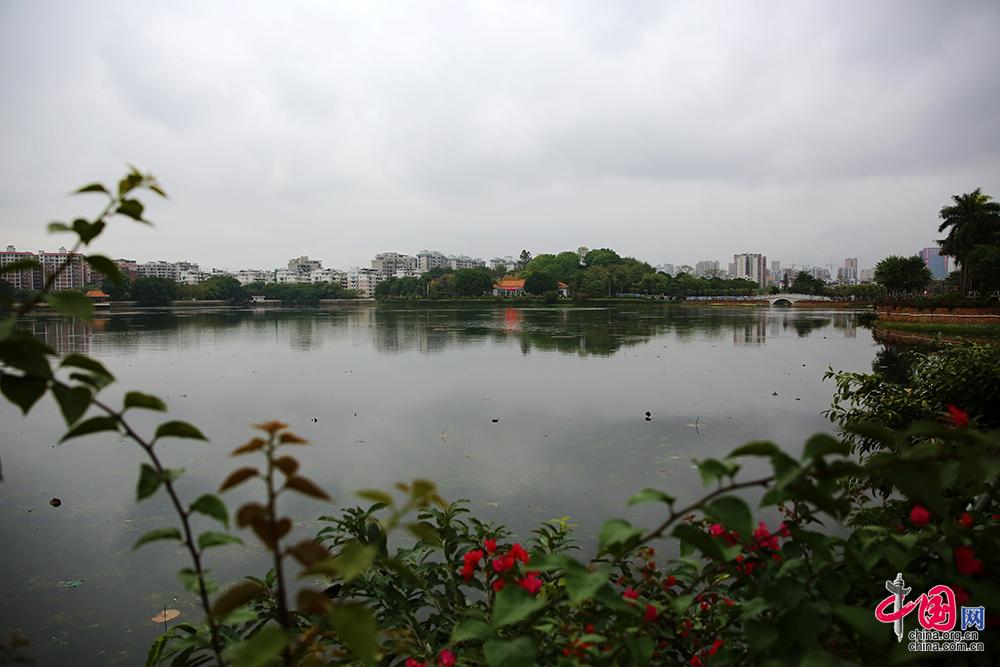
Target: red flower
446 658
589 628
498 585
650 614
919 516
716 529
531 582
413 662
490 545
959 417
503 563
966 562
705 606
965 520
695 661
630 594
716 645
669 582
519 553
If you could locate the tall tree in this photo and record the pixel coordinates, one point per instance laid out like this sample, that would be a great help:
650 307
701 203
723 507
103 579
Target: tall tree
902 274
973 219
523 260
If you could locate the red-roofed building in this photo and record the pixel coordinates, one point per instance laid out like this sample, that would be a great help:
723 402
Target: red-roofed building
508 286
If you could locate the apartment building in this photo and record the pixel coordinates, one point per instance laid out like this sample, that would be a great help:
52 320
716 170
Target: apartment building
751 266
23 279
390 263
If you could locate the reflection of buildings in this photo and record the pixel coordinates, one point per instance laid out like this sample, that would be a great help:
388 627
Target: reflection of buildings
750 331
65 336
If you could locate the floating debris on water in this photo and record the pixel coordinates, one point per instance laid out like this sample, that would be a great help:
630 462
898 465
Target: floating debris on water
70 583
55 502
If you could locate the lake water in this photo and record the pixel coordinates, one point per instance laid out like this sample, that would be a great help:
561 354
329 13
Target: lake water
530 413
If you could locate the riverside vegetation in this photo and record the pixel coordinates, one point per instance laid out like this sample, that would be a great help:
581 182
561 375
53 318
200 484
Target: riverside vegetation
408 579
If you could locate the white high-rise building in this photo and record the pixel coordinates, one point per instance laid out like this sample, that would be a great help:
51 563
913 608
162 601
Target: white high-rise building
851 270
707 267
389 263
431 259
751 266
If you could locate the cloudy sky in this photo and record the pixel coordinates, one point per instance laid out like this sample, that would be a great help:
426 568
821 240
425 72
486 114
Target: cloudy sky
672 131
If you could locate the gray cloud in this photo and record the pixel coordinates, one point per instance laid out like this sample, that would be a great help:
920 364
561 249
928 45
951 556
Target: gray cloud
675 132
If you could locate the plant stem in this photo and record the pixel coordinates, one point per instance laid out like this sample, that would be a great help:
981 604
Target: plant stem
283 616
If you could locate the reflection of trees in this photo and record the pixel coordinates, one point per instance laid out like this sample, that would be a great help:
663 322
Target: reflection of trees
806 325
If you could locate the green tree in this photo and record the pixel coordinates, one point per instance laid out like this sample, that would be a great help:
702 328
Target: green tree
902 274
473 282
601 257
224 288
154 291
523 260
973 219
118 290
538 283
805 283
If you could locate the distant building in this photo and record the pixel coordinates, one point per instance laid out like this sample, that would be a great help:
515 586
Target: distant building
507 263
129 267
935 261
389 263
304 266
463 262
76 275
775 267
248 276
665 268
326 276
508 286
867 276
23 279
431 259
707 267
158 269
364 281
732 269
751 266
850 273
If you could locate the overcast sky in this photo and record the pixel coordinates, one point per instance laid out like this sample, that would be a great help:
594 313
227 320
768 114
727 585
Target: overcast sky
671 131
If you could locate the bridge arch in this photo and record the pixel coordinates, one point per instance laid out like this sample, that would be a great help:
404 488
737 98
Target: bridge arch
782 302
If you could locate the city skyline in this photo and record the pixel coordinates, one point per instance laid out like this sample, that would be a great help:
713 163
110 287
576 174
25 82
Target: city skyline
348 129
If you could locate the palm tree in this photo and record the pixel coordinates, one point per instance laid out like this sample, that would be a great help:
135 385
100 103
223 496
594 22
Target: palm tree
972 219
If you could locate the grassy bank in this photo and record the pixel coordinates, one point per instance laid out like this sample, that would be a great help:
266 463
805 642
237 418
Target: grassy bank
955 332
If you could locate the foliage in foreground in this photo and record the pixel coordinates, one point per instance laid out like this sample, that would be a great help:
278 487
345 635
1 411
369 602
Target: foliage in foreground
457 591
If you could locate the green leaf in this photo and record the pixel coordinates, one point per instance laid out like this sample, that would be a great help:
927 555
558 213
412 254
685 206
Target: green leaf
260 649
757 448
425 532
93 187
472 628
617 535
581 585
73 401
376 496
135 399
699 539
640 649
106 267
732 513
132 208
158 534
92 425
189 579
58 227
353 559
510 652
822 444
712 470
237 596
149 482
21 265
130 182
681 603
514 604
87 364
22 391
356 629
88 231
213 539
156 650
212 506
863 622
73 304
651 496
178 429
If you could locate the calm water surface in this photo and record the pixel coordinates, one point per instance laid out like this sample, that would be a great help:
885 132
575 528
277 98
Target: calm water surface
390 394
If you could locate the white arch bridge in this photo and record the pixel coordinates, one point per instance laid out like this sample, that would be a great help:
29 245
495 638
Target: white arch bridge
789 299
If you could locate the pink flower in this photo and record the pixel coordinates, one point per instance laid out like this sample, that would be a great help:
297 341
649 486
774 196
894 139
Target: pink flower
959 417
446 658
919 516
531 582
630 594
966 562
650 614
413 662
490 545
716 529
